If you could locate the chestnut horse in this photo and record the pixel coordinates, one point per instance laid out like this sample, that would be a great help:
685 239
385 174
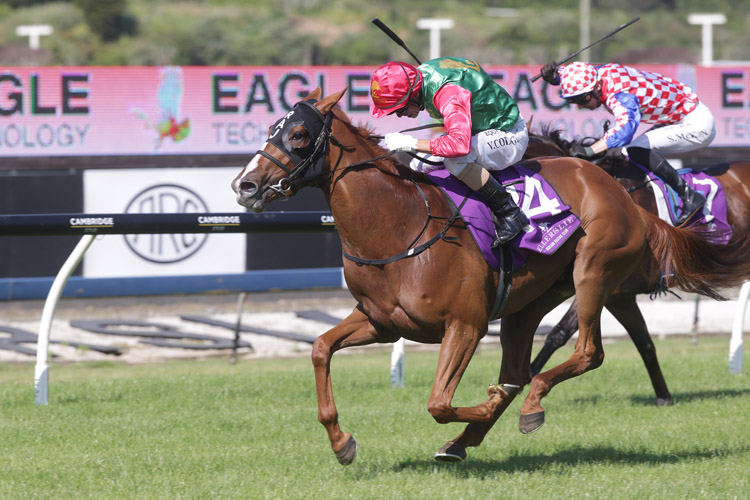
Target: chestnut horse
443 293
734 178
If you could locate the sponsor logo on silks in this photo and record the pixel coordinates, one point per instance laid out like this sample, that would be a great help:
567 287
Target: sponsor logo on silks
219 220
327 220
166 199
92 222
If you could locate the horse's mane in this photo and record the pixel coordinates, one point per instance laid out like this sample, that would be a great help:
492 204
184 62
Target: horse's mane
554 136
365 131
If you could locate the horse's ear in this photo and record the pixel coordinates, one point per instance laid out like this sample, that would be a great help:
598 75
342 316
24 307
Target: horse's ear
528 124
315 94
329 102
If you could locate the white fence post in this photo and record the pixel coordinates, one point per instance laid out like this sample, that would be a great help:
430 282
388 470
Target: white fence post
735 343
397 364
41 372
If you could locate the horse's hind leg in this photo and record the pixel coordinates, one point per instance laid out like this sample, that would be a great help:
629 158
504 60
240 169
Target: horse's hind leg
354 330
605 258
587 355
625 309
556 338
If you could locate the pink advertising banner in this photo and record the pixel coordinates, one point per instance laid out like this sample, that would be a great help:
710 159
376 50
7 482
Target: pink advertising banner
113 111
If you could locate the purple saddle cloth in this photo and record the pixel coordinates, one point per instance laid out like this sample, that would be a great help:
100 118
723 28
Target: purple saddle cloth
551 222
714 214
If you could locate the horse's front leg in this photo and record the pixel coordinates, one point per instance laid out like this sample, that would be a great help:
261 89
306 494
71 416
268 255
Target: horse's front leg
458 347
354 330
456 350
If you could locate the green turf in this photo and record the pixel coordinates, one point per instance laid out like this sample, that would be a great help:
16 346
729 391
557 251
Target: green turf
207 429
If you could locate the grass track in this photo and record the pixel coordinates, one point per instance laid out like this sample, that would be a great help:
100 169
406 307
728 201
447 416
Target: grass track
206 429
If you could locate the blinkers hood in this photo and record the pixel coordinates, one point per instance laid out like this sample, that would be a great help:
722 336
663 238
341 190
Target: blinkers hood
317 125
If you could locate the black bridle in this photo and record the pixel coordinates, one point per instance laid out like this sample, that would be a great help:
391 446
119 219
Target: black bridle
318 127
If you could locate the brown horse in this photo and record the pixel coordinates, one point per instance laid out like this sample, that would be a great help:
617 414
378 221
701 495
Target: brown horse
735 179
443 293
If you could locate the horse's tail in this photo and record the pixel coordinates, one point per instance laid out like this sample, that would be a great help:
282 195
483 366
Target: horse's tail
692 264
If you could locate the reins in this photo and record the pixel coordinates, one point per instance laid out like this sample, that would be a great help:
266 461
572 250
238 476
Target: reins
415 155
411 252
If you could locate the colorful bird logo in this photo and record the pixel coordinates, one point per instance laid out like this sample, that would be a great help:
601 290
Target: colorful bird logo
169 125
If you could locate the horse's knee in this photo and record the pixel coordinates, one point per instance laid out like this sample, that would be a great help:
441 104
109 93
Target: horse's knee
321 354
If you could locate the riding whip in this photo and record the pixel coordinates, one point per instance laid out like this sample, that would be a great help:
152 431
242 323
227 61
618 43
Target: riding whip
385 29
571 56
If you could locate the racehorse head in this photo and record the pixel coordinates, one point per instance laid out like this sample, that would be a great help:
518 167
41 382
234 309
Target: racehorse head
294 154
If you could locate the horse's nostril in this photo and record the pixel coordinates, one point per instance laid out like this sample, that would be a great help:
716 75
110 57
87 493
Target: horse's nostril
248 187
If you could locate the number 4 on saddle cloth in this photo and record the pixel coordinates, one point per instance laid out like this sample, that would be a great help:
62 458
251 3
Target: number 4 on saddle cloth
551 222
714 214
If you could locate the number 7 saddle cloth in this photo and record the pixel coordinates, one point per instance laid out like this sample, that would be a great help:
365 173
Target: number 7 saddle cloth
711 221
551 222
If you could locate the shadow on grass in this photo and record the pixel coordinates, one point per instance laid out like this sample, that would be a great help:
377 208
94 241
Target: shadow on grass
688 397
649 399
561 462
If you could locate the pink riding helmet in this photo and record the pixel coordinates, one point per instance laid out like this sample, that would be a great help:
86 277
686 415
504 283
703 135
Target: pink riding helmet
391 87
577 78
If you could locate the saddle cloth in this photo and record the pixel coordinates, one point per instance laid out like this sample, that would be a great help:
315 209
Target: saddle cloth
551 222
714 215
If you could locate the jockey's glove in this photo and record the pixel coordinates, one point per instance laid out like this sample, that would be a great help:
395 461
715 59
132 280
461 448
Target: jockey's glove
396 141
549 72
578 150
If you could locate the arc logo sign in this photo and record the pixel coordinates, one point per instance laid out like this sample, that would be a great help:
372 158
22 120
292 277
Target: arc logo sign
166 248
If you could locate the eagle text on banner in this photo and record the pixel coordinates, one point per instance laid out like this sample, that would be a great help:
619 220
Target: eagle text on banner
103 111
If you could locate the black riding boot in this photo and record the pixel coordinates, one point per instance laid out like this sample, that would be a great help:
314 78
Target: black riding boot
509 219
692 200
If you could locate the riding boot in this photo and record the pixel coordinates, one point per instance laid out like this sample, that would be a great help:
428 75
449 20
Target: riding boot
509 219
692 200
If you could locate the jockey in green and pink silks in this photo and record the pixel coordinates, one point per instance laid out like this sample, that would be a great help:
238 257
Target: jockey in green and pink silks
485 130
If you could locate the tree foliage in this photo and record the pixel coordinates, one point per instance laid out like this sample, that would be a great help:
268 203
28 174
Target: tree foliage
303 32
106 18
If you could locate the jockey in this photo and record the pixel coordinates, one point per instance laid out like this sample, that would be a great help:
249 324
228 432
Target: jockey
682 122
485 130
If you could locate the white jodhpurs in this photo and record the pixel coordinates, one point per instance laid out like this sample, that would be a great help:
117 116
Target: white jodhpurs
695 131
492 149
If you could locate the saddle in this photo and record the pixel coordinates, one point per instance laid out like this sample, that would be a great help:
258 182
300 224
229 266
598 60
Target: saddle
551 222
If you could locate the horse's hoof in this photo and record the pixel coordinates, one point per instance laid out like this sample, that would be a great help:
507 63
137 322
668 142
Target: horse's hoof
531 422
347 454
450 452
664 401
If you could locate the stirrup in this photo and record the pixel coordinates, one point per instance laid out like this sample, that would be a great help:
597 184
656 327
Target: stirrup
698 201
687 216
511 228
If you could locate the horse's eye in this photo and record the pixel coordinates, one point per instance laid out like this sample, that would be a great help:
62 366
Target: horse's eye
298 139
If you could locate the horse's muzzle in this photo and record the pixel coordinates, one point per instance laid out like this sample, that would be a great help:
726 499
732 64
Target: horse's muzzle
248 195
